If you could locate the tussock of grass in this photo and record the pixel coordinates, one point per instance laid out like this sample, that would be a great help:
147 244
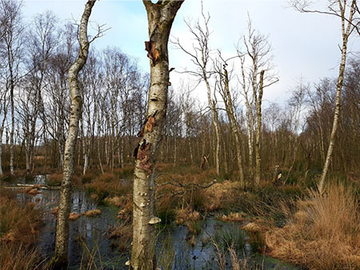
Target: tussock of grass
19 225
54 179
93 213
233 217
324 232
19 256
192 220
107 184
230 238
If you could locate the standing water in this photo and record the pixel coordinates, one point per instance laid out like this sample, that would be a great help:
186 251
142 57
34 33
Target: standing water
89 236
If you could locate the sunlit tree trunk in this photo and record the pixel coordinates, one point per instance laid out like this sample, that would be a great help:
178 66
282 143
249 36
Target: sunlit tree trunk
160 18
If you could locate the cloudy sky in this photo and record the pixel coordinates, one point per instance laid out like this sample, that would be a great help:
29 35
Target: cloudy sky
304 45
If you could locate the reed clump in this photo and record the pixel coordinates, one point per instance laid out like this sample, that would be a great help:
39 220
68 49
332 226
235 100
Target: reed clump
323 232
19 227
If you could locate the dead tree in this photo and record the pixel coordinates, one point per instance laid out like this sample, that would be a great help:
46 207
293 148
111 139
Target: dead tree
200 57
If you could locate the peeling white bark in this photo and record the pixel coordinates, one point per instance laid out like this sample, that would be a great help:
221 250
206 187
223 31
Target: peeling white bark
160 18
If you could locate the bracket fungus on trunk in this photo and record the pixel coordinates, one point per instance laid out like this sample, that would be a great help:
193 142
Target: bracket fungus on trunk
154 220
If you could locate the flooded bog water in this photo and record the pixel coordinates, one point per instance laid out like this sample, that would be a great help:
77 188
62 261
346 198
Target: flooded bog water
89 236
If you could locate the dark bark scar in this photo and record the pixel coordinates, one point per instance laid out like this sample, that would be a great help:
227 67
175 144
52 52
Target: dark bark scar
143 157
150 123
153 53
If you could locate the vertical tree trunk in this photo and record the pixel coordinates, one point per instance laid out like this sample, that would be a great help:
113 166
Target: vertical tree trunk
1 150
12 126
62 227
215 122
160 18
258 131
234 125
346 31
249 121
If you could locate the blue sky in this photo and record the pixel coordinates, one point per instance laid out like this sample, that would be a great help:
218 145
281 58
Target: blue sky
304 45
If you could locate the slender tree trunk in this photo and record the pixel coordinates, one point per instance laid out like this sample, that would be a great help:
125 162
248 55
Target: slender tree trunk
215 122
98 142
234 125
346 31
60 258
249 121
12 127
160 18
258 131
1 151
225 155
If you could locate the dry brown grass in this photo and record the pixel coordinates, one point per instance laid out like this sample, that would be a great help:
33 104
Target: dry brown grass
106 185
219 194
74 216
124 203
18 223
192 220
93 213
19 226
19 256
55 179
324 233
233 217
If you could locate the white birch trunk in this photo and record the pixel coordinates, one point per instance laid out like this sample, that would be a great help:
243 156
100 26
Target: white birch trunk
62 227
258 102
160 19
346 31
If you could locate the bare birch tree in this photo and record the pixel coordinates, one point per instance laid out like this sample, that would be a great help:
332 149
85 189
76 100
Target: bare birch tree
259 76
347 12
296 103
12 50
200 57
60 258
224 89
160 19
